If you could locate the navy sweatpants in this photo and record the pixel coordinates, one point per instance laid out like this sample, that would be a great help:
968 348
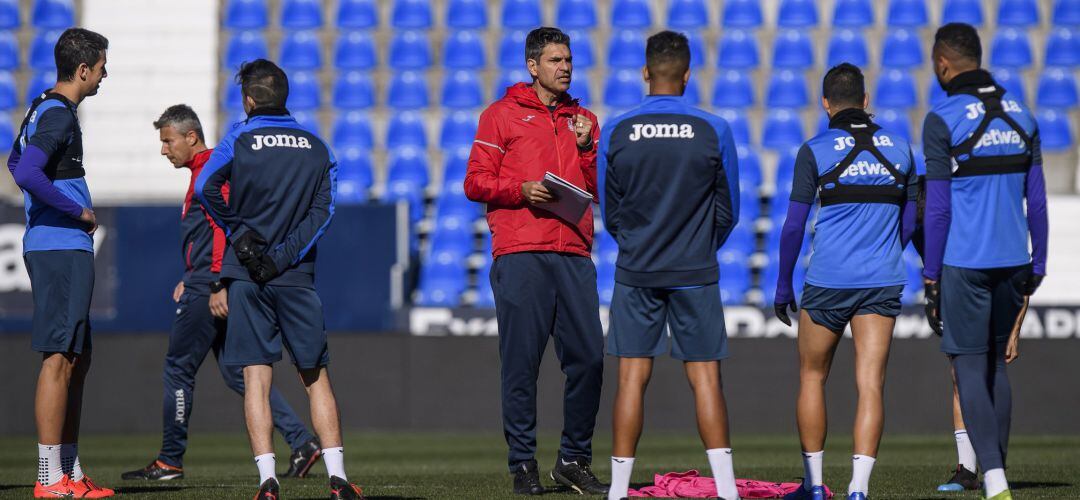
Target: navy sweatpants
540 295
979 308
195 333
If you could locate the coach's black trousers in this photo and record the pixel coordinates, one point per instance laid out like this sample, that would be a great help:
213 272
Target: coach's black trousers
539 295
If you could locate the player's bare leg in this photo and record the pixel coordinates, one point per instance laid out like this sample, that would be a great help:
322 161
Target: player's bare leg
817 344
324 410
634 374
260 424
51 399
73 412
873 335
712 421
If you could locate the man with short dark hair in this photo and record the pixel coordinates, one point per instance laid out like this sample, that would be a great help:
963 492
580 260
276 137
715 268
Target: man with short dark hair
671 200
201 312
983 162
543 275
282 183
46 162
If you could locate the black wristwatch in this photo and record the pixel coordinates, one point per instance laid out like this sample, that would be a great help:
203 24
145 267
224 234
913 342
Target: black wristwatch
586 148
216 286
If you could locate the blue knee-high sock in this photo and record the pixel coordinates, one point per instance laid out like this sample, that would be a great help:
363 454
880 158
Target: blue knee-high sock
1002 392
974 380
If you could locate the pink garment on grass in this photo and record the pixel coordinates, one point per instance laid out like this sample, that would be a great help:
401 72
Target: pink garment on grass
690 484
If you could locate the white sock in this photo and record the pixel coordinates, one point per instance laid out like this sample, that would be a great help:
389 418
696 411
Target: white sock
994 481
621 469
812 466
334 458
964 452
49 468
266 464
69 461
861 466
723 473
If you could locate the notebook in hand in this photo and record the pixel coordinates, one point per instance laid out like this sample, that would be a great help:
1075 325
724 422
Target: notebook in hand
570 201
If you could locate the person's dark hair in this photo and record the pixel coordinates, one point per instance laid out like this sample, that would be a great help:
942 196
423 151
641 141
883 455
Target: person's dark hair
182 118
962 39
844 86
542 37
667 55
77 46
264 82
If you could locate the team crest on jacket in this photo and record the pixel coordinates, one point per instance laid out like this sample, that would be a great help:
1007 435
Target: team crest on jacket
570 124
280 141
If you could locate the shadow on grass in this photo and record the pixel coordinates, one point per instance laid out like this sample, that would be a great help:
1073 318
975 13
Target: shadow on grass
139 490
377 497
14 486
1023 485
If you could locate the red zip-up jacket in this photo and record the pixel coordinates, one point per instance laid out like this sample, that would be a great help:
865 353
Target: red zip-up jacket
519 140
203 241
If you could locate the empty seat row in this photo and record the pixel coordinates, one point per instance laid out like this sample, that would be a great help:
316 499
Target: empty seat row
582 14
44 14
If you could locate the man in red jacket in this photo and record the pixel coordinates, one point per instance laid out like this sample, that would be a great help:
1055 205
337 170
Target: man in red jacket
543 275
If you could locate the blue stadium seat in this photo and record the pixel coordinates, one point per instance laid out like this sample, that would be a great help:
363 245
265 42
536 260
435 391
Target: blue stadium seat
408 90
913 289
633 14
847 46
452 203
907 14
458 129
1018 13
521 14
741 14
442 281
231 98
787 90
1010 49
410 50
901 49
464 50
357 14
9 97
797 14
512 77
40 82
354 90
823 122
512 50
749 168
782 129
895 121
409 164
962 11
406 130
605 248
353 129
576 14
308 119
456 164
243 46
354 174
485 296
626 49
1067 13
1013 81
733 89
9 51
304 91
1055 129
411 14
1063 48
920 159
738 122
408 191
301 50
623 89
688 14
737 49
697 49
453 232
692 93
301 14
581 46
41 49
741 239
355 50
896 89
785 170
7 133
245 14
793 49
1057 89
53 14
853 14
461 89
734 277
466 14
936 93
605 282
9 15
579 88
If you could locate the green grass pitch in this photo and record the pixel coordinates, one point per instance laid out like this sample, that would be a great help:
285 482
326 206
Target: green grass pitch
401 465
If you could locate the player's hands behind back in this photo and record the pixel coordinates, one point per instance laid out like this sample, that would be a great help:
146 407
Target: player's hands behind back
248 247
